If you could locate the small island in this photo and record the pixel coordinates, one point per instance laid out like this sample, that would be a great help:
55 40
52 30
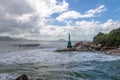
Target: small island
108 43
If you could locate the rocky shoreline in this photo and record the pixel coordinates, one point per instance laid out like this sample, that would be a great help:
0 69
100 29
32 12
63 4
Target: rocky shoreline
113 51
90 47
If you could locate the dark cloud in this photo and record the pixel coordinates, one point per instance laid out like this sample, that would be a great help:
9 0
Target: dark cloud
9 11
17 7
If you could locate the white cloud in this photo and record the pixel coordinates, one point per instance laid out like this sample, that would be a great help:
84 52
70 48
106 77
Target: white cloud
82 30
92 12
24 18
91 28
74 14
33 20
44 8
68 15
109 25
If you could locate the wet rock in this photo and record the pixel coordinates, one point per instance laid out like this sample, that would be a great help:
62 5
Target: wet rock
113 51
22 77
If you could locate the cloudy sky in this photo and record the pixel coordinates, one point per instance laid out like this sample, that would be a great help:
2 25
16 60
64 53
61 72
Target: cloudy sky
54 19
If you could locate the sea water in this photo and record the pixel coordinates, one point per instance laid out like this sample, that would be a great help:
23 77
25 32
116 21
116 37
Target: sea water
42 63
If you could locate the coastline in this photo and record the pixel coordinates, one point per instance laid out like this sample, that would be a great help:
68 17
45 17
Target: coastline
90 47
113 52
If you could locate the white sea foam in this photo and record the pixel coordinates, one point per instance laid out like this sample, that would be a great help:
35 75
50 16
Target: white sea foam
47 56
5 76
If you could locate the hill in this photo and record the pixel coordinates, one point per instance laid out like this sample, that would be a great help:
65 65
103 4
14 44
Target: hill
7 38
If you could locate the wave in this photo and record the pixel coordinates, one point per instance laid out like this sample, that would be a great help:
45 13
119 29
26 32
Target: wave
46 64
47 56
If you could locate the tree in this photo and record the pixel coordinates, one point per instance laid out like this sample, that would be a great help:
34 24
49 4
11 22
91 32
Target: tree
111 40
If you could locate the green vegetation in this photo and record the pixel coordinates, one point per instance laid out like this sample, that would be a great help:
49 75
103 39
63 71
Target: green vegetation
110 40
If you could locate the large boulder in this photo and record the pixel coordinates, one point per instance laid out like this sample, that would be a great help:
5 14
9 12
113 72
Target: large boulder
22 77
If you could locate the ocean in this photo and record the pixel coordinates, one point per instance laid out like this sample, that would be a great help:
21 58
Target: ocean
42 63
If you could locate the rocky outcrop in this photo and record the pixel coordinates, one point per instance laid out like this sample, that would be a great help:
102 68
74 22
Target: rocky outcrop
22 77
114 51
89 46
79 46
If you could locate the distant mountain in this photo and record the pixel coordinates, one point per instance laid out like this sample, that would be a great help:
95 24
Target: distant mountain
7 38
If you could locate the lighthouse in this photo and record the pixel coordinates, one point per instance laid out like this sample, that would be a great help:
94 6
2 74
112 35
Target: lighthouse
69 45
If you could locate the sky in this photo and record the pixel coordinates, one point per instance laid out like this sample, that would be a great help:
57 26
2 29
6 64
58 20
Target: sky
55 19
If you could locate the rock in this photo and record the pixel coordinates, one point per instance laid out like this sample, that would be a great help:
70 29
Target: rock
79 46
104 48
113 51
82 48
89 46
22 77
81 43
